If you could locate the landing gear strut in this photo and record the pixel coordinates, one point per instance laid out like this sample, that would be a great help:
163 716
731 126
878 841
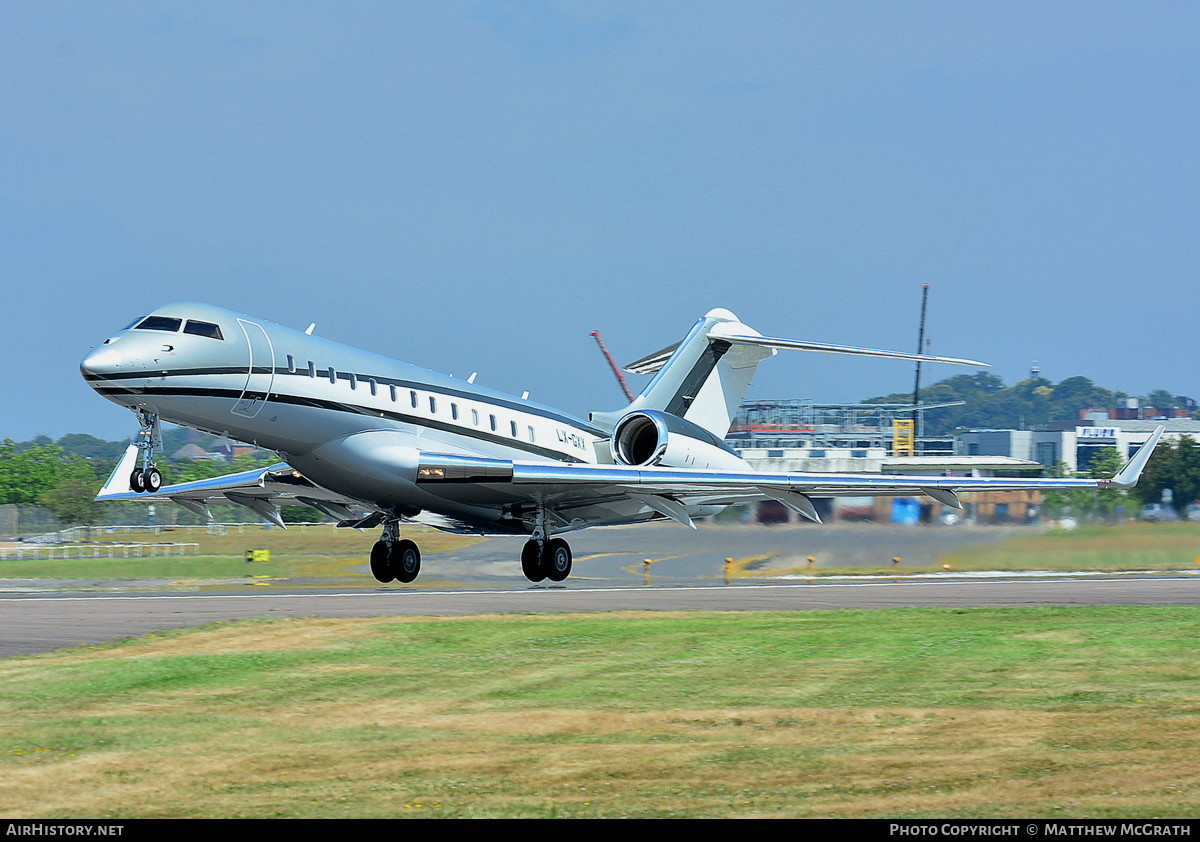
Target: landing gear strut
543 557
149 442
393 557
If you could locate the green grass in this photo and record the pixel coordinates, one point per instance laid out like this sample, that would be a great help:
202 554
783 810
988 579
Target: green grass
987 712
1098 548
1132 546
316 552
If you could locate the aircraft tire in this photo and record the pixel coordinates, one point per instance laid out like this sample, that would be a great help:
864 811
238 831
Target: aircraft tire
151 480
531 562
556 559
135 481
381 568
406 561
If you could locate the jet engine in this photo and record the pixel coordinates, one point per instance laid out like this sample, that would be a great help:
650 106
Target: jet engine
649 437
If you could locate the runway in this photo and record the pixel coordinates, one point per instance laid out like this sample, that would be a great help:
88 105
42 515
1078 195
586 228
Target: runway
40 623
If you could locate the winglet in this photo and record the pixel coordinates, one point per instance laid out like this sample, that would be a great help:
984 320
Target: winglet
118 480
1129 475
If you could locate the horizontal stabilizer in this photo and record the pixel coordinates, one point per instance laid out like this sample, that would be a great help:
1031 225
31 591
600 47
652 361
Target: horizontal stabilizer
824 348
652 362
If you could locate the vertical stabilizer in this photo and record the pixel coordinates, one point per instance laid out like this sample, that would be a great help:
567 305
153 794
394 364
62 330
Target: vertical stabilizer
704 379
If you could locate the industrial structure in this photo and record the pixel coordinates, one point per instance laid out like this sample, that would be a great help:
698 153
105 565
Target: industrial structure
812 430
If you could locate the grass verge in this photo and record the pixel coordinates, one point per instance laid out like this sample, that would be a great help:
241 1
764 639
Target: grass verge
1092 548
316 552
1039 712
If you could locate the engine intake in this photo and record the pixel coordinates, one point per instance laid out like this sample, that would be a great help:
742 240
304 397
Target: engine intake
648 437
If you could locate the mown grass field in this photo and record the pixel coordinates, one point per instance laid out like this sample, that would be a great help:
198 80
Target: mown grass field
320 552
1099 548
979 713
1051 713
1130 546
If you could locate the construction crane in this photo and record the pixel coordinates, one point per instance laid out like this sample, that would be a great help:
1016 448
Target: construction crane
595 334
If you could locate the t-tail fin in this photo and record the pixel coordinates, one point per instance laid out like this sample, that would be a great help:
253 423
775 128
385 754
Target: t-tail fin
704 378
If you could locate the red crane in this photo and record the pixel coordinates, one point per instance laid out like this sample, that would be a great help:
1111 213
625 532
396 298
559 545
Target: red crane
620 377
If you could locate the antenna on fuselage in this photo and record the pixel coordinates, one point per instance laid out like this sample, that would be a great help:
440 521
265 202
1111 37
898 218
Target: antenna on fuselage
308 330
471 379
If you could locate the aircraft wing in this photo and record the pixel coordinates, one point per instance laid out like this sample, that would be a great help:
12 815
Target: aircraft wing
262 490
564 488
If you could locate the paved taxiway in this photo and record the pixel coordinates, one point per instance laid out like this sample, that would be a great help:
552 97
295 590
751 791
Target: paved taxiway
685 574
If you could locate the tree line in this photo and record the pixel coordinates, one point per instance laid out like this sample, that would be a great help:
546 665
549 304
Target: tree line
990 405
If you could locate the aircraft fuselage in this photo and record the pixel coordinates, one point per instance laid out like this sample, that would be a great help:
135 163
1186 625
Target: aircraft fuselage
311 400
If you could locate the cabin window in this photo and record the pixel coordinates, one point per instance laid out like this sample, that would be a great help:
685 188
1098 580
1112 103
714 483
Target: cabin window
353 378
475 417
208 329
432 404
454 411
332 374
392 389
312 369
159 323
512 425
374 386
492 421
531 433
291 362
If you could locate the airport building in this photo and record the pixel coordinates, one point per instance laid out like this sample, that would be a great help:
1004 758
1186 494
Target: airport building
804 437
1072 443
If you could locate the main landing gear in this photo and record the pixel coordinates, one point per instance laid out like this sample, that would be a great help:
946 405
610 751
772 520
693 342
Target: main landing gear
393 558
546 560
149 441
543 557
399 560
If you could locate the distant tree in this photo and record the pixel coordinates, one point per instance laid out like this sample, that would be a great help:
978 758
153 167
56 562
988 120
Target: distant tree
1175 466
72 499
26 474
989 404
1161 399
90 447
1090 503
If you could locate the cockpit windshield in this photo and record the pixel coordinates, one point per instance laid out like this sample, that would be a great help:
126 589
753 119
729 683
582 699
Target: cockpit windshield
208 329
172 325
159 323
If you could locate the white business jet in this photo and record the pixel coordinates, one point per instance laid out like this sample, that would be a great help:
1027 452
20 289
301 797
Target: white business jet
375 442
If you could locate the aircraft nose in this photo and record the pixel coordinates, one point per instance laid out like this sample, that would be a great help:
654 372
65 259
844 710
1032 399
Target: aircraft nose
100 361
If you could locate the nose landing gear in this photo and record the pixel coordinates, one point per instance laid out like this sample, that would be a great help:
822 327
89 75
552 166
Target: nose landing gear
143 479
149 442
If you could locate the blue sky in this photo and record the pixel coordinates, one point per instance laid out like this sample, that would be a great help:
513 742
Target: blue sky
479 185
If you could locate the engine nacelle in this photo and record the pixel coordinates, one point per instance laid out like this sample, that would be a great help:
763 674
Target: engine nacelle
648 437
